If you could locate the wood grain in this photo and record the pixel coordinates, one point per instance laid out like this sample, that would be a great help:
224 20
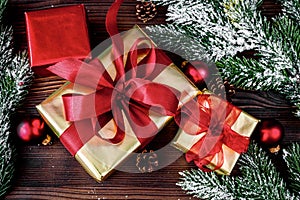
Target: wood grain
49 172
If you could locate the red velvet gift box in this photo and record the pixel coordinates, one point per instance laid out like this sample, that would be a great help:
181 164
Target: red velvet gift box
56 34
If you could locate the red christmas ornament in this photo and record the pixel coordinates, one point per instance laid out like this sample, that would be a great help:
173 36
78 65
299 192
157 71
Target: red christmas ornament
270 132
197 72
30 129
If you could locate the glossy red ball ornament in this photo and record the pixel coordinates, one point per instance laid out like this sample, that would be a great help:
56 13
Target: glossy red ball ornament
30 129
271 132
197 72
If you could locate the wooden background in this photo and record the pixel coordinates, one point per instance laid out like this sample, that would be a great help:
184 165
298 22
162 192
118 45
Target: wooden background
49 172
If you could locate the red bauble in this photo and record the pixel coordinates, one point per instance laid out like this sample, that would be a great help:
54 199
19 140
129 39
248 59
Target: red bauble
30 129
270 132
197 72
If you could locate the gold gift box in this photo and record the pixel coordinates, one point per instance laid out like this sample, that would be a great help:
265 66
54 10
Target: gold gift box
97 156
244 125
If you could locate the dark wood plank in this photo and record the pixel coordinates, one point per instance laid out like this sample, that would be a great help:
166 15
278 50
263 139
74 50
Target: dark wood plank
49 172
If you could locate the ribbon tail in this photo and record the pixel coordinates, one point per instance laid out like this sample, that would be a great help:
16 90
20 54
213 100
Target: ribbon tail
235 141
141 123
73 139
204 151
78 107
108 130
67 69
193 155
117 42
82 73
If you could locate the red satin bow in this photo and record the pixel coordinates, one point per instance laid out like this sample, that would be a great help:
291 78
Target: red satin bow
209 114
132 91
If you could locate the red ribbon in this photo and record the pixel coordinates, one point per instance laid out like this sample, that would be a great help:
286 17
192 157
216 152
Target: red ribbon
214 117
132 91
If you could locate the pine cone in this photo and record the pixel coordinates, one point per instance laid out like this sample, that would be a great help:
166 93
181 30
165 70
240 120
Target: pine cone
218 87
230 90
146 10
146 162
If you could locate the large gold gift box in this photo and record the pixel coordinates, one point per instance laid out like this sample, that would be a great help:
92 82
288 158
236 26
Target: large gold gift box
244 125
97 156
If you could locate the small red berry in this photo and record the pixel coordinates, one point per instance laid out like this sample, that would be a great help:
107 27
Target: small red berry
21 83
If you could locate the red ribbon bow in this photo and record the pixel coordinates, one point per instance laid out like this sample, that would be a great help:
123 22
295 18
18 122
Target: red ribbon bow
132 92
213 117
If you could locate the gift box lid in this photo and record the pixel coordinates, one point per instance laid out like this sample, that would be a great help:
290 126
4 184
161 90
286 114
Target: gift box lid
55 34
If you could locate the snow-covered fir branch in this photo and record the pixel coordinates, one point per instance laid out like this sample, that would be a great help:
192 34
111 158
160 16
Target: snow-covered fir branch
218 30
170 2
5 46
278 64
15 78
172 38
224 28
291 8
259 179
206 185
291 156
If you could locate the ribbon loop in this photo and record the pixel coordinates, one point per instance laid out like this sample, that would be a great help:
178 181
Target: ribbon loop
208 114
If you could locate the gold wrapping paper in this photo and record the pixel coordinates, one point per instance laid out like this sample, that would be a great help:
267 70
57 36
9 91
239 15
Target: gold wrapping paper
96 155
244 125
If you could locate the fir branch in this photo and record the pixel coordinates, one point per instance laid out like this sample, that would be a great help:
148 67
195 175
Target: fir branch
259 179
279 50
278 66
291 8
288 31
291 156
175 39
15 78
206 185
223 28
257 75
218 30
18 77
166 2
5 46
7 162
14 85
2 8
248 73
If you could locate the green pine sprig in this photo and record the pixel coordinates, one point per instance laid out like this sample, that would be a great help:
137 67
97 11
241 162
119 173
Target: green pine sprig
259 179
292 159
210 187
291 8
15 78
223 28
216 31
